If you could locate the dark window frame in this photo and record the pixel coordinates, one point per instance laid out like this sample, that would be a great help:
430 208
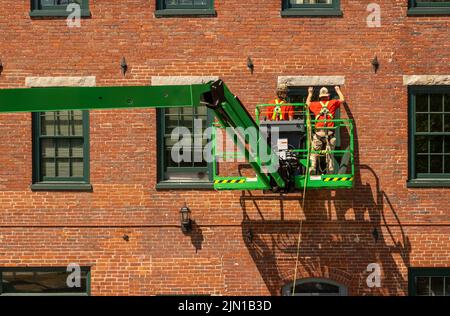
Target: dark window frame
163 10
86 269
424 272
168 184
287 288
82 183
428 8
318 9
432 180
37 10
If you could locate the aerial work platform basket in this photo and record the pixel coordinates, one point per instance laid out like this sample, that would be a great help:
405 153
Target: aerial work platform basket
297 135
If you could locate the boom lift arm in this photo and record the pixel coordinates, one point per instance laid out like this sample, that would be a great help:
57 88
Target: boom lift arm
215 95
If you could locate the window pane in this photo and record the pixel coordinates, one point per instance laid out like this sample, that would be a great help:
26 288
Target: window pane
436 123
422 163
436 144
186 121
421 144
47 148
170 142
447 164
447 103
48 168
63 168
77 154
446 122
422 103
437 286
447 144
447 286
62 123
58 2
436 103
422 286
187 175
186 3
63 148
48 160
171 122
47 123
316 287
41 282
77 148
422 122
187 111
76 126
297 2
202 111
77 167
436 164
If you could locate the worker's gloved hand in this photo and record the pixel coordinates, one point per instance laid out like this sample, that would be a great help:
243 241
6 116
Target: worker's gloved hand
316 144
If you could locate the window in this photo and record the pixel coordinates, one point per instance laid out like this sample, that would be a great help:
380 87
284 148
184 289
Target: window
47 8
429 281
432 7
196 173
43 281
61 150
429 136
315 287
311 7
184 7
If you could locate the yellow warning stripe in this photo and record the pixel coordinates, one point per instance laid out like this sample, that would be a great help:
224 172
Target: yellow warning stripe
229 181
338 179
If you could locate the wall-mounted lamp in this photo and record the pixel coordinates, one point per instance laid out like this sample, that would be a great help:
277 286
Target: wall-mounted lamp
1 67
375 64
123 66
186 222
250 64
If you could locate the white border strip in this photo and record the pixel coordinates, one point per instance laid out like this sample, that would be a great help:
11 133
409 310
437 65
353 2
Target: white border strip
35 82
181 80
426 80
311 80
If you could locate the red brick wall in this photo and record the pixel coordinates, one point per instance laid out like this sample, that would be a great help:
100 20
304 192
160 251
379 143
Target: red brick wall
55 228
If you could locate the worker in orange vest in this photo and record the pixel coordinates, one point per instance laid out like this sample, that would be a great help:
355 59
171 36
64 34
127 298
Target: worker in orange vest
280 112
324 134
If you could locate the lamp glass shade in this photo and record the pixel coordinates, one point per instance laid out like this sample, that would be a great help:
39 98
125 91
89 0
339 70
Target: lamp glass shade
185 213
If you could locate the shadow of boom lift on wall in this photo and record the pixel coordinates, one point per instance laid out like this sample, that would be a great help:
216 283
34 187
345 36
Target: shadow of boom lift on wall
331 247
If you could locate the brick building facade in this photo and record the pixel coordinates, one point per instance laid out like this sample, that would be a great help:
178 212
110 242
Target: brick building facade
125 228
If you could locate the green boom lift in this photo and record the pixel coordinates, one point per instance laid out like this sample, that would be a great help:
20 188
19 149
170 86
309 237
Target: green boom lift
230 114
